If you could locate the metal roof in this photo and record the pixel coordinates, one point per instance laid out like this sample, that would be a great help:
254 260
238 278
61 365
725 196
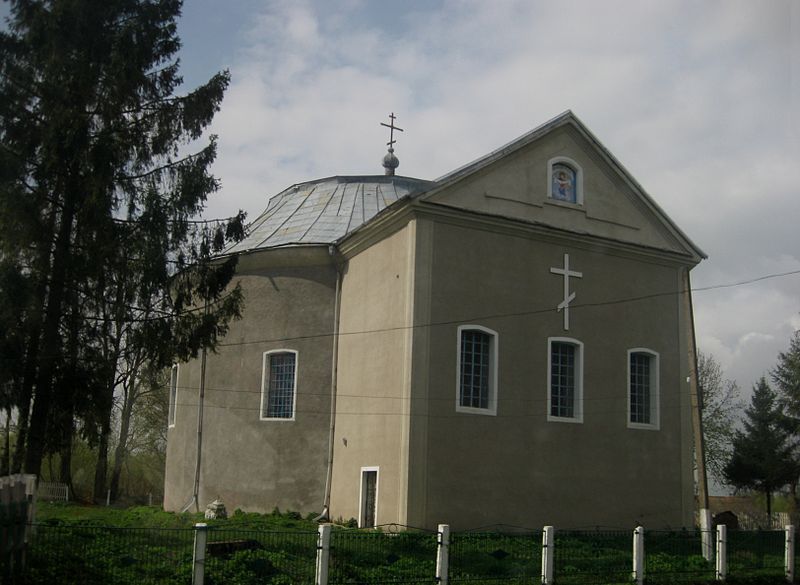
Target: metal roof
323 211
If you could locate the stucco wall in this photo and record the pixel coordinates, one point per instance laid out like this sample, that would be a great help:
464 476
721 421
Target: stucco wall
516 467
372 396
516 186
251 463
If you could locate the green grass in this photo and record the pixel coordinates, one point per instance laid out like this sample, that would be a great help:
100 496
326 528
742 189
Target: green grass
71 514
145 545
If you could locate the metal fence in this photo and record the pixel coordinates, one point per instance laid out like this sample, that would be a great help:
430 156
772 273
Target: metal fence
676 557
101 555
759 553
393 556
258 556
491 557
596 557
143 556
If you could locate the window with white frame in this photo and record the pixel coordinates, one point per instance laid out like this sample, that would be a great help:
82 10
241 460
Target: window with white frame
565 180
477 370
173 394
643 391
564 379
278 385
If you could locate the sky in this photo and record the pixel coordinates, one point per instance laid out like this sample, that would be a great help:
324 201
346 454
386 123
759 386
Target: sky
699 100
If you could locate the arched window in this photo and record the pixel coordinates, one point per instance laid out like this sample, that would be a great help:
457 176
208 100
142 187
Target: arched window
565 180
643 389
477 370
278 384
564 183
564 380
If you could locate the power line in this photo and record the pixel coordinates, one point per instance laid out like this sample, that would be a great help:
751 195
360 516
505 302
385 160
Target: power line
510 315
467 319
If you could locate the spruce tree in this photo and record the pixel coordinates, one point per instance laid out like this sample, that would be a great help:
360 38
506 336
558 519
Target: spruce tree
98 198
786 377
762 453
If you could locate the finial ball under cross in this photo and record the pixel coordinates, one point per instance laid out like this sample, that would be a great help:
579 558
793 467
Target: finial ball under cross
390 161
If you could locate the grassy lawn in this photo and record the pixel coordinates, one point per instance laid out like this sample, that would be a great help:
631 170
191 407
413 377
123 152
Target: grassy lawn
145 545
154 517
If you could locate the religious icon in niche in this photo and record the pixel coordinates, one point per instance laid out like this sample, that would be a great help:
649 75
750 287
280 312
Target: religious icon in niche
564 186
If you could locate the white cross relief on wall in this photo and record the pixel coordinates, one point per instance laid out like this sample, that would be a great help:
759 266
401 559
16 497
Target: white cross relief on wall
568 296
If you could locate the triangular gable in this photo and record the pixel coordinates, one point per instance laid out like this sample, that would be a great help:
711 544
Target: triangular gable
513 182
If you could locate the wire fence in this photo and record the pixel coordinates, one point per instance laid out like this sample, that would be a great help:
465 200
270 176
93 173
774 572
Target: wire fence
676 557
599 557
758 553
101 555
258 556
144 556
358 557
489 557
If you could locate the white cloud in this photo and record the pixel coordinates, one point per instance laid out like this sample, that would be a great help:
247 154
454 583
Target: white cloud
694 98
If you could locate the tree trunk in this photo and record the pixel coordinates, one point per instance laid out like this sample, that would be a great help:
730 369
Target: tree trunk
5 465
65 467
66 398
104 414
794 504
51 342
121 452
26 395
768 493
101 469
23 410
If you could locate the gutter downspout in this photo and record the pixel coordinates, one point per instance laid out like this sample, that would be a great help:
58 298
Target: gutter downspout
326 500
695 394
201 399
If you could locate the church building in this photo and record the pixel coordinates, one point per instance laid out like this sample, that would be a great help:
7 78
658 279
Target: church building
511 343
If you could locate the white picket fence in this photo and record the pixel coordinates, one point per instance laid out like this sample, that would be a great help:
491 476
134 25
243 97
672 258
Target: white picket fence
52 491
777 521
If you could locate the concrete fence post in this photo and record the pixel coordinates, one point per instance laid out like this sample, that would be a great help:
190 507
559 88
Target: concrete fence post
789 554
323 554
706 534
199 554
638 556
722 552
548 550
443 555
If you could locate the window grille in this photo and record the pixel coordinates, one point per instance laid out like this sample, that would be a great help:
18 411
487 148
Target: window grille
475 368
280 386
562 379
640 388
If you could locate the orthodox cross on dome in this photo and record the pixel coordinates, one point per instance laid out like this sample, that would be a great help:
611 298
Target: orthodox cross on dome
390 161
568 296
391 128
